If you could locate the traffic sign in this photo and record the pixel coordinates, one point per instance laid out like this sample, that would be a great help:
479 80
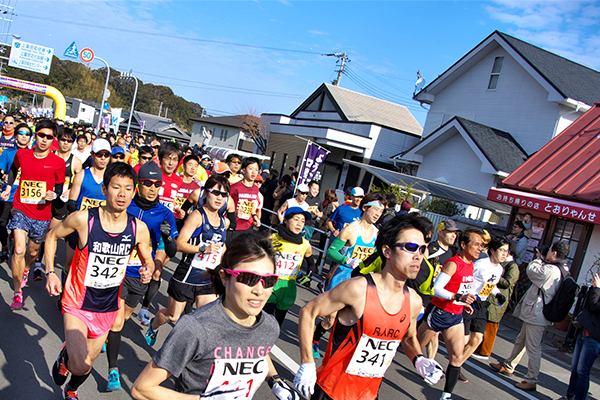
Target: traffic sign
71 51
106 106
86 55
31 57
106 94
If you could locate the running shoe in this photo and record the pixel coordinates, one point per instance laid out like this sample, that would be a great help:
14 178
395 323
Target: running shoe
151 334
320 287
305 281
70 395
143 317
25 278
114 381
480 357
500 368
59 369
316 352
462 378
38 272
17 302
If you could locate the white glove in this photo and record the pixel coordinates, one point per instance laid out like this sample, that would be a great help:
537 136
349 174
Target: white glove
283 392
231 391
429 370
353 262
306 378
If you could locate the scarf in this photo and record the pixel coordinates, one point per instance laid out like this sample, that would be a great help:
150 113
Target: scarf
144 204
288 236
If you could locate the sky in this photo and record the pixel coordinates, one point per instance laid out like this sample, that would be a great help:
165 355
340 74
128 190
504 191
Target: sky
237 57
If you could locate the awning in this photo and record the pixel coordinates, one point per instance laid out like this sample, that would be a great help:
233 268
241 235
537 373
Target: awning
433 188
546 204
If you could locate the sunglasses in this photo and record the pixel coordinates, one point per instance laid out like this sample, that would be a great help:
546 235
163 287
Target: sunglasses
305 193
9 122
119 156
102 154
44 136
64 139
148 158
155 147
411 247
235 161
217 193
27 133
149 183
251 278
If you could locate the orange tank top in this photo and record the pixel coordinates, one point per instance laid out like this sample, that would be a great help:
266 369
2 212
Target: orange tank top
358 355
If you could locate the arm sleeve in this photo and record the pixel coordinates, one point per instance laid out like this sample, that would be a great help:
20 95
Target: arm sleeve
232 221
333 252
439 285
71 206
186 205
12 174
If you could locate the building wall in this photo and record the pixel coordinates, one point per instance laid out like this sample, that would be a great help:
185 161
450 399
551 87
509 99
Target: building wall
519 105
230 142
389 143
586 272
283 144
455 164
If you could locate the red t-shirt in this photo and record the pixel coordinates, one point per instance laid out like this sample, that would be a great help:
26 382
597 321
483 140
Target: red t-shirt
184 192
461 282
38 175
136 168
246 202
168 190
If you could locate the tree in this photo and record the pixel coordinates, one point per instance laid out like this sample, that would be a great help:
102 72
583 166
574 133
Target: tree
257 130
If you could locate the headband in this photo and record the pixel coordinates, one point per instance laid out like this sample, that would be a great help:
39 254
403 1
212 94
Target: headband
373 203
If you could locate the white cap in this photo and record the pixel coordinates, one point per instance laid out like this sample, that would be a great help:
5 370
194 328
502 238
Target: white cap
303 187
358 191
99 145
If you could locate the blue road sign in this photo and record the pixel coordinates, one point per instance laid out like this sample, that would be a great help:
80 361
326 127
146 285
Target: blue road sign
71 51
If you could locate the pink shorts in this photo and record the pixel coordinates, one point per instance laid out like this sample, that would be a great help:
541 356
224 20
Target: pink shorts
98 324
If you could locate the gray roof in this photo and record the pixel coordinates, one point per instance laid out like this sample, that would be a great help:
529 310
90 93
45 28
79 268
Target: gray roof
161 126
358 107
499 147
237 121
573 80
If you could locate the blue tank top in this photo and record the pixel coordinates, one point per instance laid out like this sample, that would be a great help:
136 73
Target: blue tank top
192 268
361 249
90 195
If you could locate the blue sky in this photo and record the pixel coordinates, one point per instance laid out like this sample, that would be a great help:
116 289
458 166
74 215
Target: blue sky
183 44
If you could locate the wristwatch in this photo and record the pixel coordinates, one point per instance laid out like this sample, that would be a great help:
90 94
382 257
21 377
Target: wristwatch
202 248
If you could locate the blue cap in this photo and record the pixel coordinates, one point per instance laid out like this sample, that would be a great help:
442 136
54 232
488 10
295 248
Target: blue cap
297 210
117 150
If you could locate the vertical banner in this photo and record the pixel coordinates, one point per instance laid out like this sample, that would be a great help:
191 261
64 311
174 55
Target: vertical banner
115 117
106 123
142 127
314 157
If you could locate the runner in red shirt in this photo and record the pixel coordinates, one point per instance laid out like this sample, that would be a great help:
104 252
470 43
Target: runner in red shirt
245 197
41 182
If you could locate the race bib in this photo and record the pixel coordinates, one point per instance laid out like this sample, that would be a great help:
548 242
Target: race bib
245 209
178 202
33 192
372 357
464 288
134 260
486 290
436 271
105 271
168 204
288 264
87 203
313 210
249 372
362 252
207 261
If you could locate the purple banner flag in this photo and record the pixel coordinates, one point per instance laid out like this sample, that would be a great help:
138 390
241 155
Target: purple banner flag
315 156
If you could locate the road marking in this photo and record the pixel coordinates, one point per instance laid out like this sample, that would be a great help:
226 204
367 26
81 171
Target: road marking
495 377
285 359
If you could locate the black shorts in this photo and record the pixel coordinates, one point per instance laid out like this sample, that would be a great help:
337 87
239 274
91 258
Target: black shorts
133 291
183 293
475 322
320 394
72 239
5 207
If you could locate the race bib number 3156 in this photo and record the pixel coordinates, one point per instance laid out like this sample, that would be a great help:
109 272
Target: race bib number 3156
372 357
33 192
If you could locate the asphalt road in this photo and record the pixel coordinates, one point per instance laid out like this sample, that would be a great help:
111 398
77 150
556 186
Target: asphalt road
31 338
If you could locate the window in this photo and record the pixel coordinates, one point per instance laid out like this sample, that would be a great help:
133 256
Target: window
495 76
223 136
298 160
273 154
283 162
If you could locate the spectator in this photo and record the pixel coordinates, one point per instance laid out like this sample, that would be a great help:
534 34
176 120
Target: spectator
405 207
298 201
281 194
315 208
518 236
390 210
267 189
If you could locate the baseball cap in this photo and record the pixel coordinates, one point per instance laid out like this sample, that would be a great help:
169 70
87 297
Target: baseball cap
296 210
117 150
264 166
448 225
358 192
259 178
99 145
155 143
221 167
206 157
303 187
150 170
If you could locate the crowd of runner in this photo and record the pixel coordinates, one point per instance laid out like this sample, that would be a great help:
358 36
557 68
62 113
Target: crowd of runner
125 207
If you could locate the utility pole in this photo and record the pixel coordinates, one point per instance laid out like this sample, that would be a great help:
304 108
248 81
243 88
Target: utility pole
342 59
160 109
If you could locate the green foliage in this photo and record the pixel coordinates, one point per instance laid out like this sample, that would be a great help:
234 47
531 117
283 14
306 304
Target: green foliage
401 190
441 206
76 80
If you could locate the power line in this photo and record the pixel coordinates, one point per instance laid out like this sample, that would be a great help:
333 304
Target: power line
380 77
169 36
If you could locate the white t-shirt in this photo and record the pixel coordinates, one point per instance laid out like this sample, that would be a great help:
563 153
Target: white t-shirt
485 278
293 203
82 156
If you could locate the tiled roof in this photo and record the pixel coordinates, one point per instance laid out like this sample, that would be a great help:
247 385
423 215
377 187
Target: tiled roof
568 166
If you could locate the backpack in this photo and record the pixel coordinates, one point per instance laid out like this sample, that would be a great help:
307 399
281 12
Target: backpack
557 309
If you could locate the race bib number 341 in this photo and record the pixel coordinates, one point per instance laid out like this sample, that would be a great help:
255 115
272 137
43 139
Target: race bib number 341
372 357
249 373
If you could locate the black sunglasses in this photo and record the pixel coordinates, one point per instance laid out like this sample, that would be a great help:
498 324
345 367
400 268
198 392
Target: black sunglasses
302 192
44 136
217 193
251 278
411 247
146 158
149 183
119 156
64 139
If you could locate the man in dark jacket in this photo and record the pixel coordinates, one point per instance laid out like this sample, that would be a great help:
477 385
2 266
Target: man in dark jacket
587 346
389 212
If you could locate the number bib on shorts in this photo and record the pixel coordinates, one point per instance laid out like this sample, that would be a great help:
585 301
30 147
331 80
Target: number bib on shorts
105 271
33 192
372 357
249 372
86 203
207 261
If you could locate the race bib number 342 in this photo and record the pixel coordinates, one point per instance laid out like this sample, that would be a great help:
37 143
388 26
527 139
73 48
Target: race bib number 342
372 357
105 271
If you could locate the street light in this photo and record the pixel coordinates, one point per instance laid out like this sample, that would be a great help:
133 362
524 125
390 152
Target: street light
124 77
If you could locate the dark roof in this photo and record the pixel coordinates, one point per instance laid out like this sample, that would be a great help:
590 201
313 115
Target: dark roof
237 121
499 147
573 80
153 124
568 166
